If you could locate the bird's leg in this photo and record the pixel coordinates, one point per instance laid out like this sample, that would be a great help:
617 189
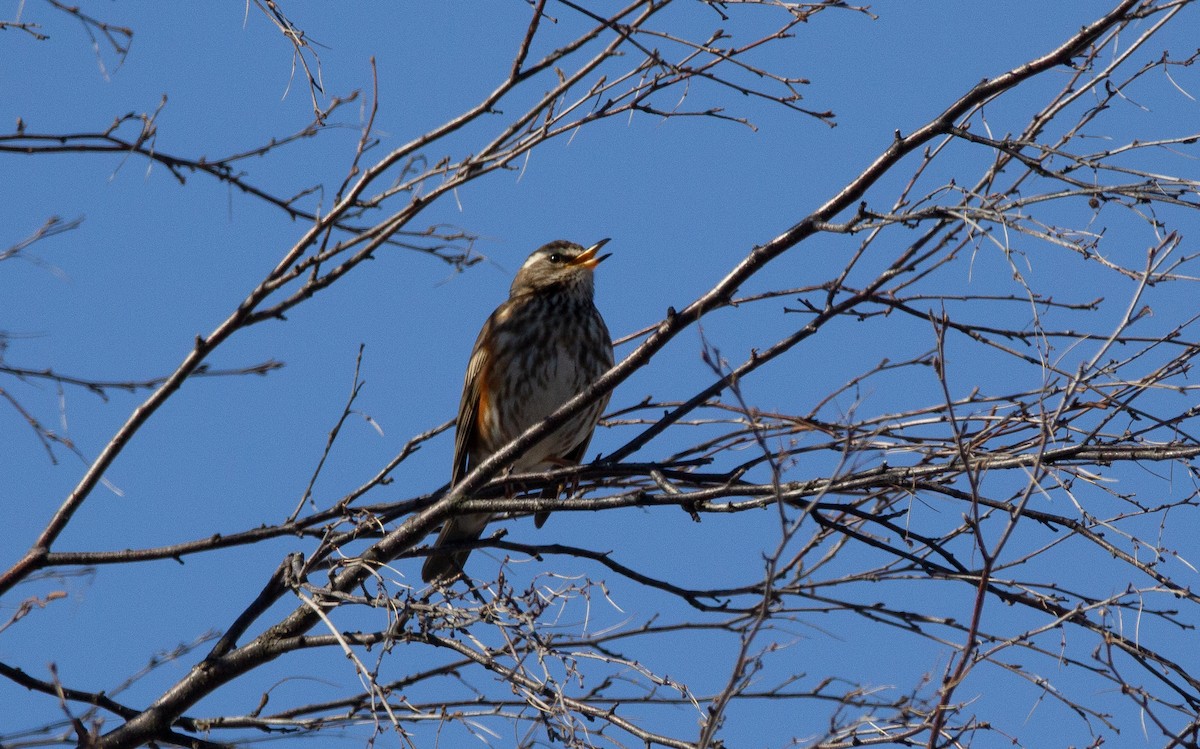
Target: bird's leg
539 518
511 489
574 480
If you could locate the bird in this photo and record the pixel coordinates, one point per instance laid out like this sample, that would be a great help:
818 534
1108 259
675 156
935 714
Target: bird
541 347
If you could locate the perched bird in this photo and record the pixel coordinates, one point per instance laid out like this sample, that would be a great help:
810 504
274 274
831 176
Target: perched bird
538 350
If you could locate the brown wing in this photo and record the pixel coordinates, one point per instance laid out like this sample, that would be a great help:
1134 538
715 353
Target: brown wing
473 403
441 566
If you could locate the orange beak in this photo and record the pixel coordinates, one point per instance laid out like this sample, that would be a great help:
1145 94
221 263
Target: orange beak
588 259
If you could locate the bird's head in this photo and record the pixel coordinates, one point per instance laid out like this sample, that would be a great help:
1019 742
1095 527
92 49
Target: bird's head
559 264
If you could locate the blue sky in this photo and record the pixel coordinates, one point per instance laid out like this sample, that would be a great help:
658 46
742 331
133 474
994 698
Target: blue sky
154 263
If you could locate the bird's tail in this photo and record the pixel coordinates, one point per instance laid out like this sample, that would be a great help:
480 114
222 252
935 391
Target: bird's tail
445 563
550 492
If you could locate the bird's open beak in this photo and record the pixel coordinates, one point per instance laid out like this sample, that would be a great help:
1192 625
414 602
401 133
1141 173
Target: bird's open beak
588 258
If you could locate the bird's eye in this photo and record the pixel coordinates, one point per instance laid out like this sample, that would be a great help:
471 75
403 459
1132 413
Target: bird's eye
556 257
